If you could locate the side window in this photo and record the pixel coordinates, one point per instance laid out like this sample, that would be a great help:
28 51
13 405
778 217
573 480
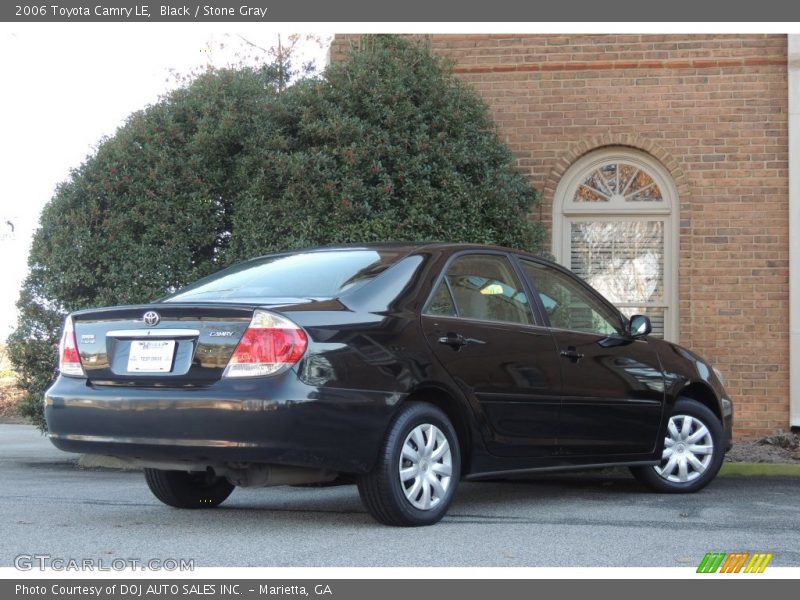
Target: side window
567 303
442 302
485 288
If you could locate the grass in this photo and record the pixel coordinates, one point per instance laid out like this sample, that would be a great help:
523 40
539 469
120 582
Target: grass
731 469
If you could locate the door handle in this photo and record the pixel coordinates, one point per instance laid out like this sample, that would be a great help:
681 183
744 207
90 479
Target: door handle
572 353
457 341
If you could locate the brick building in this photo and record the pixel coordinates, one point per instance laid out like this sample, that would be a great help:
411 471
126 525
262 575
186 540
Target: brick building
663 162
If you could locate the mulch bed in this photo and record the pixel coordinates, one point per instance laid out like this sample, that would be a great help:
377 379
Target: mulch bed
9 396
778 448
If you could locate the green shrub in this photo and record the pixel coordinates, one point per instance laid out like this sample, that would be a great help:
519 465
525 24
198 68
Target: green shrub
387 145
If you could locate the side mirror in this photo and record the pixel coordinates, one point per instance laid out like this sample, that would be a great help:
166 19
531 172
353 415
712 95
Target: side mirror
639 326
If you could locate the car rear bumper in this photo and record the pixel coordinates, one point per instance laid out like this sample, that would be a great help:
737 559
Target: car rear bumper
269 420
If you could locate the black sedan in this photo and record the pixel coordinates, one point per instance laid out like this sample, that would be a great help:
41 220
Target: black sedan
407 367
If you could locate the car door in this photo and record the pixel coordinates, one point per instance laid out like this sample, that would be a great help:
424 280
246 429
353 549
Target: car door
480 325
613 385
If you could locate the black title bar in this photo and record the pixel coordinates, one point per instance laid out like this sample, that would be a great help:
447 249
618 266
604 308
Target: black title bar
397 589
494 11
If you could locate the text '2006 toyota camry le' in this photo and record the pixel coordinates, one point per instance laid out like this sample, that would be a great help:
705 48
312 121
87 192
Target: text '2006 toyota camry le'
405 366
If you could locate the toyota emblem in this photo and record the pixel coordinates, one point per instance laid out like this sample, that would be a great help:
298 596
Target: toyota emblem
151 318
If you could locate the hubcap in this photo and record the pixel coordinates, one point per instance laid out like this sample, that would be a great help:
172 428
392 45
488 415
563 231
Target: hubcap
426 465
688 450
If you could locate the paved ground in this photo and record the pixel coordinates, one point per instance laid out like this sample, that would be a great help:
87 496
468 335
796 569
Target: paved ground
48 505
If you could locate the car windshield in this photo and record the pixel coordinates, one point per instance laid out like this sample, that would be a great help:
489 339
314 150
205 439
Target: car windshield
303 275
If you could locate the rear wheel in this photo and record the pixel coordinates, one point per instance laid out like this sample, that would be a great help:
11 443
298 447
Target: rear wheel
188 490
418 470
694 448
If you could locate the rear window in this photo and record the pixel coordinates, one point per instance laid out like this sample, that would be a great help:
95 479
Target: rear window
305 275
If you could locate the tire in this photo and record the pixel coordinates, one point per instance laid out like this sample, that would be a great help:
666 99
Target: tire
188 490
394 502
670 478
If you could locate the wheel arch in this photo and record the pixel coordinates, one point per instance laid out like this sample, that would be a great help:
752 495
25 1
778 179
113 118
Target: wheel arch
702 393
456 411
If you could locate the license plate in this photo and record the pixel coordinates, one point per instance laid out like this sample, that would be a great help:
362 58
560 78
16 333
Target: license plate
151 356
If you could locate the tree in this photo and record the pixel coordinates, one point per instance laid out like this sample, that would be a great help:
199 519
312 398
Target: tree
387 145
148 212
281 56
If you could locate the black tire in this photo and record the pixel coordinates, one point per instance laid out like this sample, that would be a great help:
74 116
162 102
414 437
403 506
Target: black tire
188 490
381 490
651 478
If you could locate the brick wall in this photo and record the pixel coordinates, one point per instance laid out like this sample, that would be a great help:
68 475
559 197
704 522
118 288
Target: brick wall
713 110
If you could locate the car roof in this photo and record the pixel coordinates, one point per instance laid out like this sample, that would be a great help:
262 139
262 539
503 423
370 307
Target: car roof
410 247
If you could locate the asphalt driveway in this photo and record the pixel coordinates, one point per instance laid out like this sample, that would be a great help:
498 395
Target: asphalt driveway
50 506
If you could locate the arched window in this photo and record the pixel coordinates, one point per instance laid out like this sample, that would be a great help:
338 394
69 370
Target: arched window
615 225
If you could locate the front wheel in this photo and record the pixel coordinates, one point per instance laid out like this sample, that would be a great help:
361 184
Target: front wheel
417 471
694 448
188 490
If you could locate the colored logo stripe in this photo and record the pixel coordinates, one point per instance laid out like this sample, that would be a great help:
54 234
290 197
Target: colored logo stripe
711 562
758 563
733 563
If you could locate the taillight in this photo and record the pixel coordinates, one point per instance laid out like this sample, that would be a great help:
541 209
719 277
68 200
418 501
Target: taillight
269 344
69 360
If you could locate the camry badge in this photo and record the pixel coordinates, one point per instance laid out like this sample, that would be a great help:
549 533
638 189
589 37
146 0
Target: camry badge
151 318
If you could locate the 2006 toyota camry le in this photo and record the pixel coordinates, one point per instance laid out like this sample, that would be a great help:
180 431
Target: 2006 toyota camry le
406 366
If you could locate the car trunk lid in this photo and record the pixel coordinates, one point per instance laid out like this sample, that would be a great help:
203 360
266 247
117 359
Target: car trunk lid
159 344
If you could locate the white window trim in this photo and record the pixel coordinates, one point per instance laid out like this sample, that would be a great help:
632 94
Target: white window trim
566 211
794 227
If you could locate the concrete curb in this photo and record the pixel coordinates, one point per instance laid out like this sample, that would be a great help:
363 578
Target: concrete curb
96 461
760 470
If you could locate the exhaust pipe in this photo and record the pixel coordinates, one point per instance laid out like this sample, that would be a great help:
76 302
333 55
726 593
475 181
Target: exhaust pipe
264 475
